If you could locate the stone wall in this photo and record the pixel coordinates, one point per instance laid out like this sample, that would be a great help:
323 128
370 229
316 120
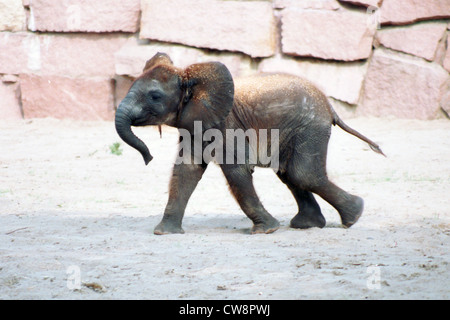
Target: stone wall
76 58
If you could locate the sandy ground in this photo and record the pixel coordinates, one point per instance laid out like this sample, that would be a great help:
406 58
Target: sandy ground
76 221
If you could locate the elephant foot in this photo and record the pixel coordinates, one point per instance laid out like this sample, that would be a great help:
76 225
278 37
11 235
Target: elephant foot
305 220
168 227
351 215
269 226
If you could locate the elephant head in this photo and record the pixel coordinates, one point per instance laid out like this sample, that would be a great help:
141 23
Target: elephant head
164 94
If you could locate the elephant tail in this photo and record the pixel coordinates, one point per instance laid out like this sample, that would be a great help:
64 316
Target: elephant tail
341 124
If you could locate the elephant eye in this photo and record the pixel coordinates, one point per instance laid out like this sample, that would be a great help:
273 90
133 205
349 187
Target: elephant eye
154 95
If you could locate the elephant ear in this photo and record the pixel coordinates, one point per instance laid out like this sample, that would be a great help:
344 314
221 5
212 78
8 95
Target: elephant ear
209 95
157 59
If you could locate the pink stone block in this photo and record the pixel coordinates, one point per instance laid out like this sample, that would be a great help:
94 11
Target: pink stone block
244 26
409 11
420 40
84 15
67 98
326 34
402 86
75 55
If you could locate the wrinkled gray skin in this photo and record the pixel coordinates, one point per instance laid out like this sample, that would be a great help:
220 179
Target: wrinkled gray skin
206 92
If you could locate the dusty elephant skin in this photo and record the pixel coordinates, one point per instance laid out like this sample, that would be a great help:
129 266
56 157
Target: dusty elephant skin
206 92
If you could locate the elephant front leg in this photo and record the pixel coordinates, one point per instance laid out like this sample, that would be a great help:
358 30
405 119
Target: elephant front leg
185 178
240 181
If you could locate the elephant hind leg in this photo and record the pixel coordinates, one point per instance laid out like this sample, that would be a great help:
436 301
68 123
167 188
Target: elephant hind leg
307 171
309 214
350 207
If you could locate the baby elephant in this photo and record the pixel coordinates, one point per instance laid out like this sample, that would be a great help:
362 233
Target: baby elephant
214 113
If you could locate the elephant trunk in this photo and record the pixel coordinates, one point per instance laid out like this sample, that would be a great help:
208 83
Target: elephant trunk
123 122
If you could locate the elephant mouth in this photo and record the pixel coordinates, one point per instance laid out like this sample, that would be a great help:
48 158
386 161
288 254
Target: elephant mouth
141 123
